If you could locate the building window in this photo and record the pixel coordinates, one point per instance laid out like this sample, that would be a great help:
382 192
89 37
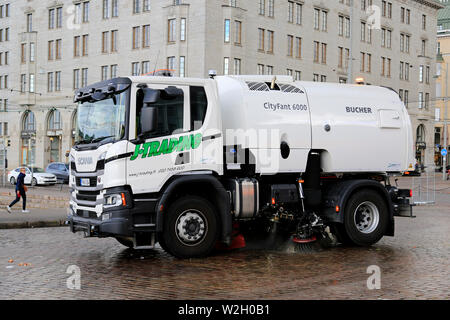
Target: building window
226 66
262 7
51 50
23 51
85 44
146 36
270 39
136 6
50 82
76 46
316 51
227 31
171 63
32 50
84 77
135 68
260 69
59 14
104 74
51 18
58 50
114 41
86 11
29 123
238 35
290 11
31 87
114 71
172 30
76 78
105 9
182 66
261 35
115 9
183 29
290 45
146 6
58 81
145 67
271 5
54 120
136 37
237 66
105 42
424 22
29 22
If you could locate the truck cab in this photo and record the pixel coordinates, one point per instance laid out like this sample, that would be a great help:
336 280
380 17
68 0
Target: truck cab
133 134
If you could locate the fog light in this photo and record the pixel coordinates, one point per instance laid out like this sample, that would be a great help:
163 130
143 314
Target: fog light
106 216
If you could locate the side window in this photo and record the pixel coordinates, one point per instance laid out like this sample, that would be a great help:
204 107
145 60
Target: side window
199 105
170 112
17 170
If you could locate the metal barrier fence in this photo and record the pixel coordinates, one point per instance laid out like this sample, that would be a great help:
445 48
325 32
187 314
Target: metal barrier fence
424 187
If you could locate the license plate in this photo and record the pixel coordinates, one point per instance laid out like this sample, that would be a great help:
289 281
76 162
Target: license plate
85 182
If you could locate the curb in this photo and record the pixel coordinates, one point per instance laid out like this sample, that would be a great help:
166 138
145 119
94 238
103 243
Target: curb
33 224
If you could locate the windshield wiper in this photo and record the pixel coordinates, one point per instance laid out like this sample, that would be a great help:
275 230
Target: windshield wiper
100 139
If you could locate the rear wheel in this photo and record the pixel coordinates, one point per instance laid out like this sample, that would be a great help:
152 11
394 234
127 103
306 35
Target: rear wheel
191 228
12 180
366 218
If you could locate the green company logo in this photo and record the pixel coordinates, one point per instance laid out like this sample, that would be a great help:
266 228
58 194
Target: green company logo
166 146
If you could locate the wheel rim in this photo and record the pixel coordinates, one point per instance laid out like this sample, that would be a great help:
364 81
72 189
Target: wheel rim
366 217
191 227
13 181
34 182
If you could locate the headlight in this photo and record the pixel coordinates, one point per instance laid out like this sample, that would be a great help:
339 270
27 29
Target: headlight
114 200
102 156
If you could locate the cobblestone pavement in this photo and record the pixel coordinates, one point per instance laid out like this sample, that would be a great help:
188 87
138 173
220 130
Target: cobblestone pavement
414 265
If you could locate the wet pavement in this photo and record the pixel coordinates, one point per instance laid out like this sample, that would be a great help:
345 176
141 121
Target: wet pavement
414 265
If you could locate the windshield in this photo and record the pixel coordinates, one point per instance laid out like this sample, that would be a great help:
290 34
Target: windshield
99 120
38 170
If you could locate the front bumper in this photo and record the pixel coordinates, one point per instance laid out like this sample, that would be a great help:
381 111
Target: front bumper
124 222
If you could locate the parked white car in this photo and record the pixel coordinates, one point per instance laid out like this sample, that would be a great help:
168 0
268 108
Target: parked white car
39 176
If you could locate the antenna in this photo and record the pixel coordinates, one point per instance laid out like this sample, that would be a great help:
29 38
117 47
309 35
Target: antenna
156 63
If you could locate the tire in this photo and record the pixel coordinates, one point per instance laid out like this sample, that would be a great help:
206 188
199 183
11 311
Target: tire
161 242
12 180
126 242
366 218
191 228
34 182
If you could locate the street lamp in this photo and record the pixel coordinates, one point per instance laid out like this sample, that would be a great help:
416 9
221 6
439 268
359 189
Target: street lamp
444 157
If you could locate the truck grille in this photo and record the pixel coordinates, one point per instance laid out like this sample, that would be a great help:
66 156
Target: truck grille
87 198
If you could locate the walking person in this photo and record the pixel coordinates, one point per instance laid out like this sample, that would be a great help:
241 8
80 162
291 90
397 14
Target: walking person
20 192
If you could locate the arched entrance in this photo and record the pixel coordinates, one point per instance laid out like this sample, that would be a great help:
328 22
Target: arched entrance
54 134
28 141
420 145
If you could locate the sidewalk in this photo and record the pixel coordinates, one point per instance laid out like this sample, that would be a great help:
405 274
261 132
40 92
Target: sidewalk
36 218
48 207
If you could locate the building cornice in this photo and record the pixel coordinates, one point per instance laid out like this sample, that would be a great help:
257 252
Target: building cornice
431 3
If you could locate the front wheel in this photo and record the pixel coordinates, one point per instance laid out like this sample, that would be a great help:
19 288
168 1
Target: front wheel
12 180
34 182
191 228
366 218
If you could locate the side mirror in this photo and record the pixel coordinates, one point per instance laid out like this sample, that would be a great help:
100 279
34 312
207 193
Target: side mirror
149 119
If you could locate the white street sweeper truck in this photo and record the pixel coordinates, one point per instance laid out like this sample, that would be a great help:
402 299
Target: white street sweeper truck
185 162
